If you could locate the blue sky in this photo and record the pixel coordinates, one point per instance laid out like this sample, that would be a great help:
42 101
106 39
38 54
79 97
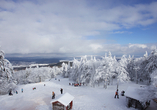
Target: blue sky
136 35
78 27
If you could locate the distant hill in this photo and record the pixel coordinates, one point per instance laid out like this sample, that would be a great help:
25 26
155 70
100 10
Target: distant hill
15 61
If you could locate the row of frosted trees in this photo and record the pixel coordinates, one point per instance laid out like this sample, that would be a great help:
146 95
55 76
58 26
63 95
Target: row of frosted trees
9 78
108 69
35 75
95 72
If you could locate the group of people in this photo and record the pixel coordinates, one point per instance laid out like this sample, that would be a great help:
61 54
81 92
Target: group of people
53 94
34 88
76 84
56 79
10 92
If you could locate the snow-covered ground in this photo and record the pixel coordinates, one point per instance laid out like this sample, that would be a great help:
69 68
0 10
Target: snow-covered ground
86 98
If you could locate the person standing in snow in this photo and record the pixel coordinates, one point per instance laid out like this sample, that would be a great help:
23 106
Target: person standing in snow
22 90
116 94
61 90
10 92
53 95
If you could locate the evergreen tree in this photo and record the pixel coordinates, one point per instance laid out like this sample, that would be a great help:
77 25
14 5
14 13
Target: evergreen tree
7 82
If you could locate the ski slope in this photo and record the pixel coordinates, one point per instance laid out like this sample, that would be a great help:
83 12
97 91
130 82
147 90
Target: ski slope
85 98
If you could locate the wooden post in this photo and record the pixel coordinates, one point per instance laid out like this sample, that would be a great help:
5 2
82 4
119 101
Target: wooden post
71 104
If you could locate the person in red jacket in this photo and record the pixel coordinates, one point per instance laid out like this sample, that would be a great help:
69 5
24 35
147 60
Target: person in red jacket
116 94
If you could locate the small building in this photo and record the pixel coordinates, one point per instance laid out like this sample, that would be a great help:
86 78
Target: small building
62 102
136 99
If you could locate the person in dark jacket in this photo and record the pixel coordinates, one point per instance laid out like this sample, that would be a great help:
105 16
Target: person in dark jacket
61 91
122 93
10 93
53 95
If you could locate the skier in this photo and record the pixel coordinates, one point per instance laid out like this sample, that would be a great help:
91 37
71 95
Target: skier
22 90
61 90
116 94
53 95
16 92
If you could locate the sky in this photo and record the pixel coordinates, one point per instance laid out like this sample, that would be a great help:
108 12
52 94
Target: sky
60 28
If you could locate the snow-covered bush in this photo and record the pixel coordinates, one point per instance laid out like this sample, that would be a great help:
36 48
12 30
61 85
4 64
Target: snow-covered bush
7 82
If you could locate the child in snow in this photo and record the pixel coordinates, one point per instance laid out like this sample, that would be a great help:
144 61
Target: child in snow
116 94
53 95
61 90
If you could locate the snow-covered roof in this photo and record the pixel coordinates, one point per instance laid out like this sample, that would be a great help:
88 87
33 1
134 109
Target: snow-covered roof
64 99
133 92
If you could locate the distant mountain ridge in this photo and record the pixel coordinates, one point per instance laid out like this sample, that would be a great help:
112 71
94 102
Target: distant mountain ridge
15 61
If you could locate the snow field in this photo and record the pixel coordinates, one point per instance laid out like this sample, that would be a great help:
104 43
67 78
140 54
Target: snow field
86 98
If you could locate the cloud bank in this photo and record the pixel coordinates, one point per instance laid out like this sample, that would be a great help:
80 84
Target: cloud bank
64 27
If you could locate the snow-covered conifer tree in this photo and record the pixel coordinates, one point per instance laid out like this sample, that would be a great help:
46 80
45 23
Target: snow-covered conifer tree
147 65
146 55
75 70
84 70
130 68
7 82
106 71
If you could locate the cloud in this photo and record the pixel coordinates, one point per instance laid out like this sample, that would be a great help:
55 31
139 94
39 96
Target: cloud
138 45
62 26
95 47
120 32
153 47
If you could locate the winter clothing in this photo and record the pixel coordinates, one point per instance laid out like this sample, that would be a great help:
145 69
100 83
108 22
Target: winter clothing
10 93
122 93
61 90
116 94
53 95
